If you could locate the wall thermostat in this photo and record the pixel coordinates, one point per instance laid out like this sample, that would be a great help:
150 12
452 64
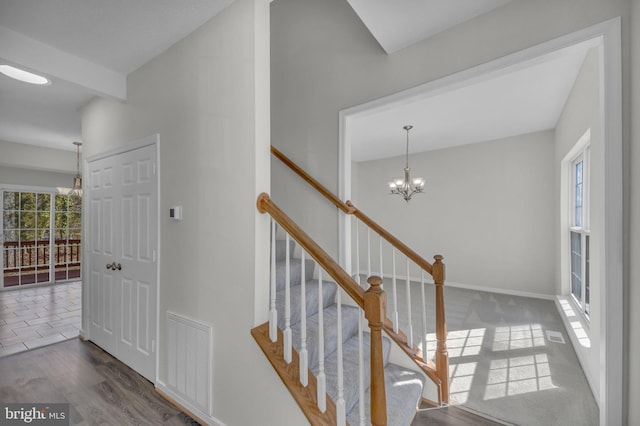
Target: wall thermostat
175 213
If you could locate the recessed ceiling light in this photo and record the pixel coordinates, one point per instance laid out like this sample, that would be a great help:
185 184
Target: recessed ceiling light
22 75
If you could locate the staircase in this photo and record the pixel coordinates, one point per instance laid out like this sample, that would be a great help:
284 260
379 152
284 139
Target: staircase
403 386
315 338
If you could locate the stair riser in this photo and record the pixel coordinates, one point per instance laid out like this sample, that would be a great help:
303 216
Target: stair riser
351 369
295 272
403 387
311 296
281 249
349 329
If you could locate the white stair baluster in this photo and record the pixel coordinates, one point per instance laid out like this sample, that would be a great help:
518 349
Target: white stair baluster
410 327
424 318
395 294
357 253
322 378
304 355
361 393
341 414
273 312
287 306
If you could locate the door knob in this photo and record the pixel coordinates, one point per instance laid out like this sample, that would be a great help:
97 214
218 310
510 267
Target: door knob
113 266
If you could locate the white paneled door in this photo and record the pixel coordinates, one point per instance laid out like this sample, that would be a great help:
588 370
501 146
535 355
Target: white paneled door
122 245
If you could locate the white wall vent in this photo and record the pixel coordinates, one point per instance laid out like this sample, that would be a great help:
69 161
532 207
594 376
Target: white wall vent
189 357
555 336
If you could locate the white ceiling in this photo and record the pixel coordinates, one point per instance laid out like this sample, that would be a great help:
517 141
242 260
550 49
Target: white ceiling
88 47
400 23
527 98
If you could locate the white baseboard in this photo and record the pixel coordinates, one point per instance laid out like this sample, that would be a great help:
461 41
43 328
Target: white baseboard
476 287
199 415
501 291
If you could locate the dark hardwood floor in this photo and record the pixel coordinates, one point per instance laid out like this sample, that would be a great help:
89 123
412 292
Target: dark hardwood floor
451 416
100 389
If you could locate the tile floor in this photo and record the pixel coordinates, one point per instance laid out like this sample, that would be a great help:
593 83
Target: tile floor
35 317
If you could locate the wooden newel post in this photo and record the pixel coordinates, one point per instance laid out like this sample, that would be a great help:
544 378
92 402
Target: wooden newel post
442 356
375 311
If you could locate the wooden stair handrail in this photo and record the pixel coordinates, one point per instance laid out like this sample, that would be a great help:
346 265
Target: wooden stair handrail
439 375
404 249
373 302
311 181
349 208
341 277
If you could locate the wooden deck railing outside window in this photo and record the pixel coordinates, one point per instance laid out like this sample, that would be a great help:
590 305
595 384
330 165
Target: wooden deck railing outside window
27 262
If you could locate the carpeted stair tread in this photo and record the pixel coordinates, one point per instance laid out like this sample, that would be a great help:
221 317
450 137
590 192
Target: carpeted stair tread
330 317
351 368
403 386
281 249
295 271
403 391
311 295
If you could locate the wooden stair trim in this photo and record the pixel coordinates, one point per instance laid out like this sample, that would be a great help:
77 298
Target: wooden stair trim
437 270
306 397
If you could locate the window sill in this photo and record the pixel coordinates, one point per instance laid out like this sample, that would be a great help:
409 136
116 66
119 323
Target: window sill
577 323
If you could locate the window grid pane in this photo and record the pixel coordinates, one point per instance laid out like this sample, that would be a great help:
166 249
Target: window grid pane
576 265
586 276
578 195
68 221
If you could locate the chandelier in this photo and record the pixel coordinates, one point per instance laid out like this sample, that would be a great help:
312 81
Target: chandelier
407 187
77 179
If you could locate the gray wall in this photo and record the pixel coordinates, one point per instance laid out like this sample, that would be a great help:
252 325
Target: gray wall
631 91
207 97
488 208
324 60
19 155
18 176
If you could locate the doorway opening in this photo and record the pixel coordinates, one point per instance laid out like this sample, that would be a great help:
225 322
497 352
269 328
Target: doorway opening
604 37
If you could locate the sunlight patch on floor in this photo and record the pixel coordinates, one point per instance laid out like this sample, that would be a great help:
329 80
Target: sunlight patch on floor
465 342
518 375
518 337
461 380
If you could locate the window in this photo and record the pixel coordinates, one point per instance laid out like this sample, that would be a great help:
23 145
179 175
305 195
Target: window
40 236
579 229
67 229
